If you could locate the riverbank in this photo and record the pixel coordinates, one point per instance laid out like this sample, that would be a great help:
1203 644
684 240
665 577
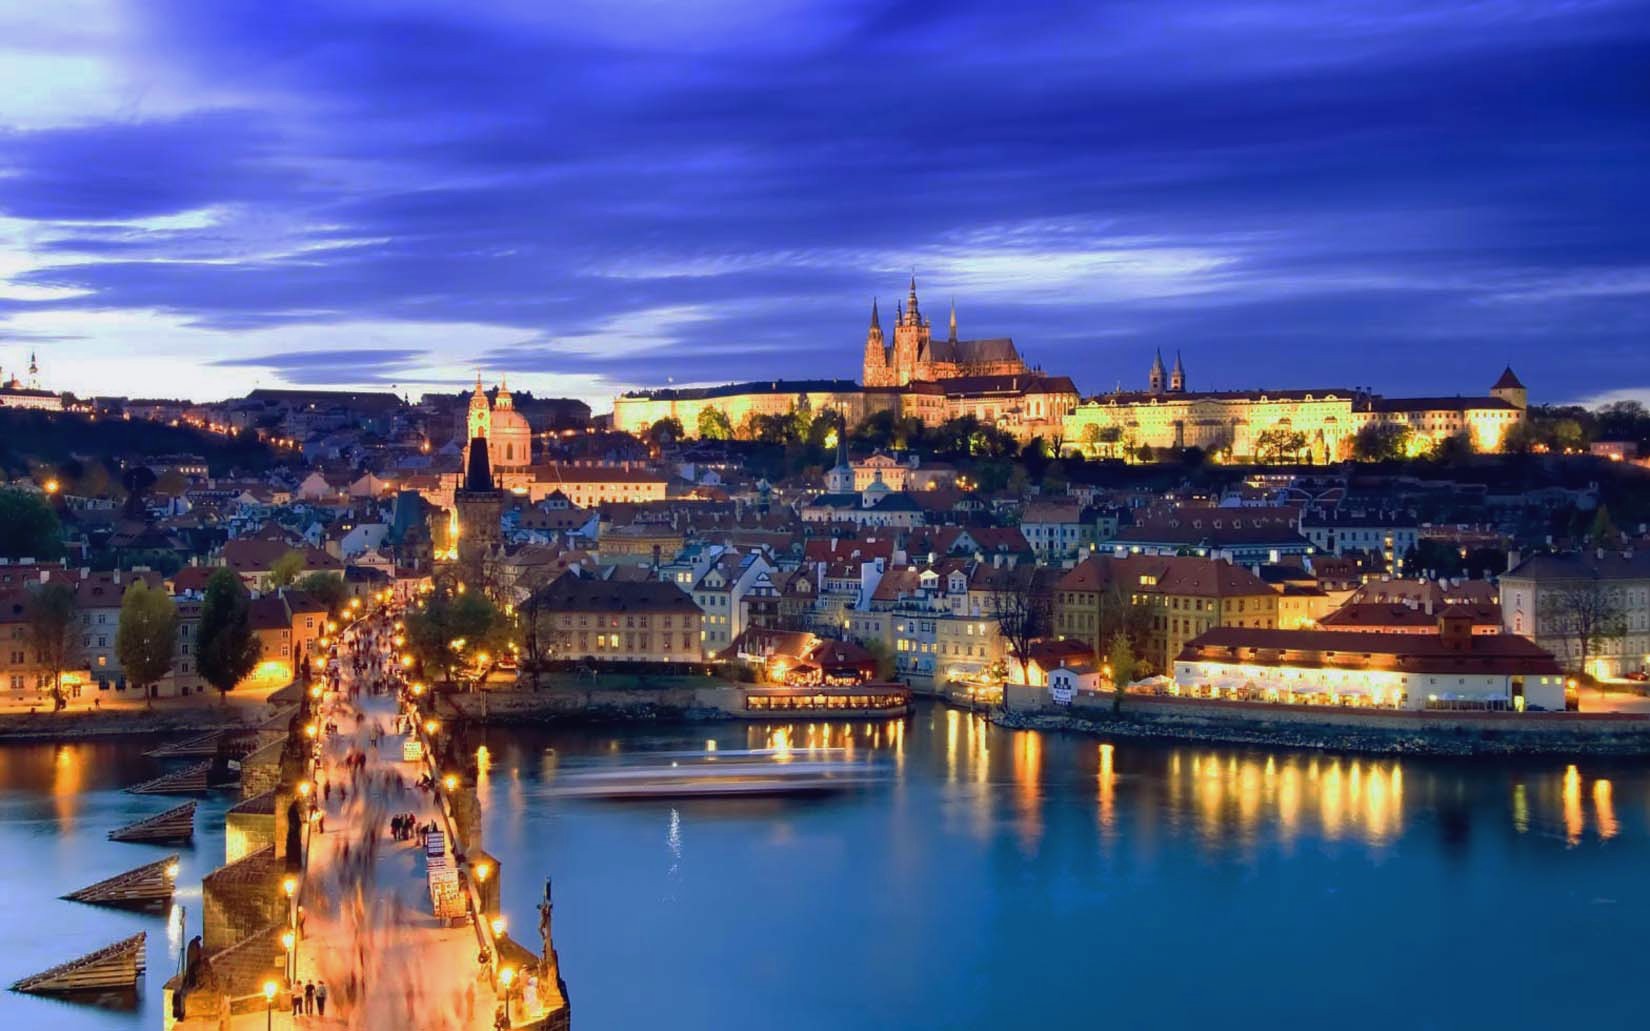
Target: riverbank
1303 727
74 726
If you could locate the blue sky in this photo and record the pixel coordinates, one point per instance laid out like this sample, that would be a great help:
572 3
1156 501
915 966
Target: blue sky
593 195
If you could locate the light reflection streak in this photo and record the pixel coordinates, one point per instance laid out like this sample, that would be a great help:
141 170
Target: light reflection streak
1604 809
1574 820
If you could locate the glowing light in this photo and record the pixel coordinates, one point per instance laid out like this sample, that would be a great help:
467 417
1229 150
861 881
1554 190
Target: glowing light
269 992
304 788
288 940
172 871
431 726
506 975
498 925
484 870
289 885
51 486
450 781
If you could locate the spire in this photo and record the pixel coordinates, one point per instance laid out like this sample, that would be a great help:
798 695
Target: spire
953 319
911 310
1177 378
876 321
1156 377
479 474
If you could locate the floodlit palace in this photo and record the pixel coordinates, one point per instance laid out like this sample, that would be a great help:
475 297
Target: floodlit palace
1235 423
936 379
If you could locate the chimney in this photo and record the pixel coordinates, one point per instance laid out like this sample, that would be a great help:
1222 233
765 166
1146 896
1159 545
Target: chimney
1427 605
1513 558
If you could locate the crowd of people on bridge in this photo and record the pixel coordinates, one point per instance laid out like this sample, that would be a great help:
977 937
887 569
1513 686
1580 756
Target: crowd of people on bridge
383 952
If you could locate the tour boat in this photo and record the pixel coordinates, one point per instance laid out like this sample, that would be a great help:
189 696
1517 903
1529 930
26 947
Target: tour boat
715 775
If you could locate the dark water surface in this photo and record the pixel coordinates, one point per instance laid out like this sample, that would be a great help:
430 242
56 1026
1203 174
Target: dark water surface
989 879
57 804
1003 879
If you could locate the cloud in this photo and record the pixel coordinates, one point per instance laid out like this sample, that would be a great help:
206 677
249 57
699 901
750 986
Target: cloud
1401 193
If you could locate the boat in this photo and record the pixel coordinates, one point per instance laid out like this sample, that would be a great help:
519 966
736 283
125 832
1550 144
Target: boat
716 775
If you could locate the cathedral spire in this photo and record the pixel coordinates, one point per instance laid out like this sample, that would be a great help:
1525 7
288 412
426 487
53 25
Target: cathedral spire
1156 377
953 319
911 311
876 322
1177 378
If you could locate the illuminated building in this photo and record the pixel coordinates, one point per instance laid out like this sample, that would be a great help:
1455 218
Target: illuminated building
916 377
508 437
620 620
19 393
916 356
1598 600
1452 669
1231 424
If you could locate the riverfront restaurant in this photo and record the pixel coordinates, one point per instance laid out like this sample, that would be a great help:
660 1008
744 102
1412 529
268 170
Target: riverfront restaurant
1452 670
856 700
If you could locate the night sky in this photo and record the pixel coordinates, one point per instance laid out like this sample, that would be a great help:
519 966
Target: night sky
593 195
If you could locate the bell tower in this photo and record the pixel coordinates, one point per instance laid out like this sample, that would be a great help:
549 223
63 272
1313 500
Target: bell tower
876 372
1155 378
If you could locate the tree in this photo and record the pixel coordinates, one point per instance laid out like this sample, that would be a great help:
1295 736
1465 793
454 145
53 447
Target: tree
1278 443
148 631
1381 442
1023 613
327 588
1603 532
225 648
1120 657
50 613
883 656
450 631
28 527
714 425
1455 449
666 431
285 569
1586 614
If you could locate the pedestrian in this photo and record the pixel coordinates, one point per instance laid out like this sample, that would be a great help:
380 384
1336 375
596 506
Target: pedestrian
321 999
297 1002
309 997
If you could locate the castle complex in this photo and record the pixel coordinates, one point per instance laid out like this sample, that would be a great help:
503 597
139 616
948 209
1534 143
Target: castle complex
917 377
934 380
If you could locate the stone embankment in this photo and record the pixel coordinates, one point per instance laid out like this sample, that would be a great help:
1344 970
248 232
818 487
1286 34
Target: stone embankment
84 723
597 705
1399 734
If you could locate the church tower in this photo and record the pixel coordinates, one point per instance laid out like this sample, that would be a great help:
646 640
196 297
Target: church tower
1177 378
876 372
1155 379
480 506
840 480
910 339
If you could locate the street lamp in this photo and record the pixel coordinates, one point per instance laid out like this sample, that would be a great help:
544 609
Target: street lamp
506 975
498 925
269 1005
431 726
450 781
289 941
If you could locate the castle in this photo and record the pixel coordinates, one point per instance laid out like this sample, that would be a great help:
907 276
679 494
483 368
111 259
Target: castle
917 357
1233 423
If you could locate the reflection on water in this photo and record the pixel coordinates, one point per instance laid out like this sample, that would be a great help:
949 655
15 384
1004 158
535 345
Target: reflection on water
57 803
1012 857
982 857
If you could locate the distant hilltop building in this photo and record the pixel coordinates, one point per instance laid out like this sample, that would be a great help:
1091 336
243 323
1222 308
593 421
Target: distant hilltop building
914 377
917 357
1168 415
26 393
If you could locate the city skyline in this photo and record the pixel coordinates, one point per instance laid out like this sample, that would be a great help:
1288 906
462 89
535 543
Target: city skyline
197 199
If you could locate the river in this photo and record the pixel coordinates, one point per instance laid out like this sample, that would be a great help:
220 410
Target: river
987 879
